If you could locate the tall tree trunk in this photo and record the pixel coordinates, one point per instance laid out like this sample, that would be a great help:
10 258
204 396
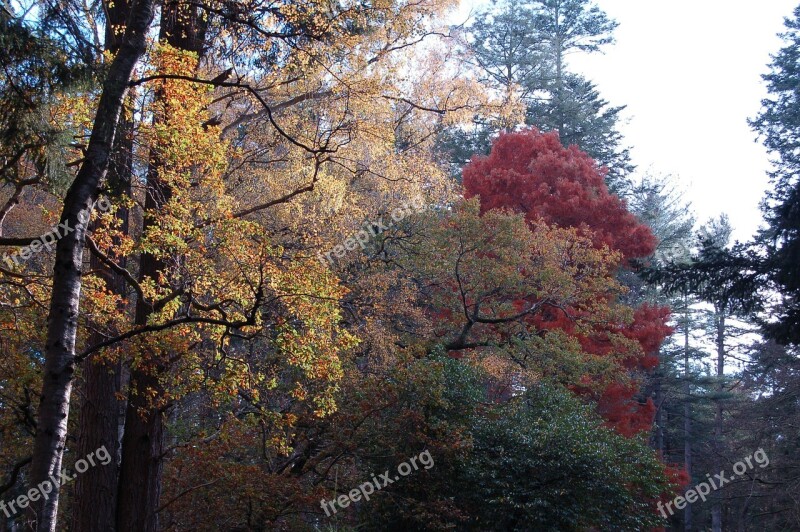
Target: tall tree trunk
59 365
96 490
559 57
658 421
143 443
687 411
94 507
716 509
142 457
143 439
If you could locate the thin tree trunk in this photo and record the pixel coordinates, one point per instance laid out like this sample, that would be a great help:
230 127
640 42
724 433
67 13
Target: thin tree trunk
716 509
59 366
559 56
658 397
687 412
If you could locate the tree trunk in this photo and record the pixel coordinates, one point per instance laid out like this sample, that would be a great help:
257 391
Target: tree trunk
95 502
143 443
143 439
658 398
142 459
96 489
559 57
687 412
59 366
716 509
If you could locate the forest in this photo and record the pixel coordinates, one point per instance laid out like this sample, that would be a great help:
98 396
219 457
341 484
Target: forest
339 265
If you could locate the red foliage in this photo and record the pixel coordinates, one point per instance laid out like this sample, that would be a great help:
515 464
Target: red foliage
679 480
678 477
621 410
532 173
618 404
649 328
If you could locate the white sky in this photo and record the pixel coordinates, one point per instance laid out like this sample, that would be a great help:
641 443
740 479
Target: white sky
689 72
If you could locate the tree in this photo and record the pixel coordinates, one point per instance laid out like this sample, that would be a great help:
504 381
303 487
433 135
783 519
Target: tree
211 216
520 51
532 173
545 461
568 26
59 365
714 280
38 73
508 55
540 459
583 118
274 320
779 126
716 234
103 378
500 274
658 203
574 107
772 378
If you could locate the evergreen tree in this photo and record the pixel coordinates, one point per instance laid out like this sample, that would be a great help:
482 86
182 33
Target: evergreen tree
507 51
582 117
778 124
520 50
36 67
712 318
573 106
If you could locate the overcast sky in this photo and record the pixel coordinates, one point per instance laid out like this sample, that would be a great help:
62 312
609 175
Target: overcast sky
689 73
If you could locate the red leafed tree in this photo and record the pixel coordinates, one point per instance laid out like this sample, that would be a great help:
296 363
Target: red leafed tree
532 173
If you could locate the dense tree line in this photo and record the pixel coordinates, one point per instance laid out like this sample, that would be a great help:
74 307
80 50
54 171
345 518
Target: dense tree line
739 300
267 287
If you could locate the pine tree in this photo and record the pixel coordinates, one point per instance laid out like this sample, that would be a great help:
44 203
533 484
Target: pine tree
779 126
520 51
583 118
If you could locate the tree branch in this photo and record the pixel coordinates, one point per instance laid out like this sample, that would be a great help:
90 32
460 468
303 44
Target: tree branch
15 474
124 273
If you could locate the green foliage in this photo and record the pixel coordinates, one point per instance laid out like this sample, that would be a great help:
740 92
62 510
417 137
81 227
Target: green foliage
34 70
779 126
507 51
573 25
429 404
519 50
542 461
583 118
545 462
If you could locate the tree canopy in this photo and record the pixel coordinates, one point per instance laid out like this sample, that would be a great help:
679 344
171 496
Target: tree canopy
313 265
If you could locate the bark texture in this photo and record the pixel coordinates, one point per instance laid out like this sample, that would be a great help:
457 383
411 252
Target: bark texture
183 27
59 366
